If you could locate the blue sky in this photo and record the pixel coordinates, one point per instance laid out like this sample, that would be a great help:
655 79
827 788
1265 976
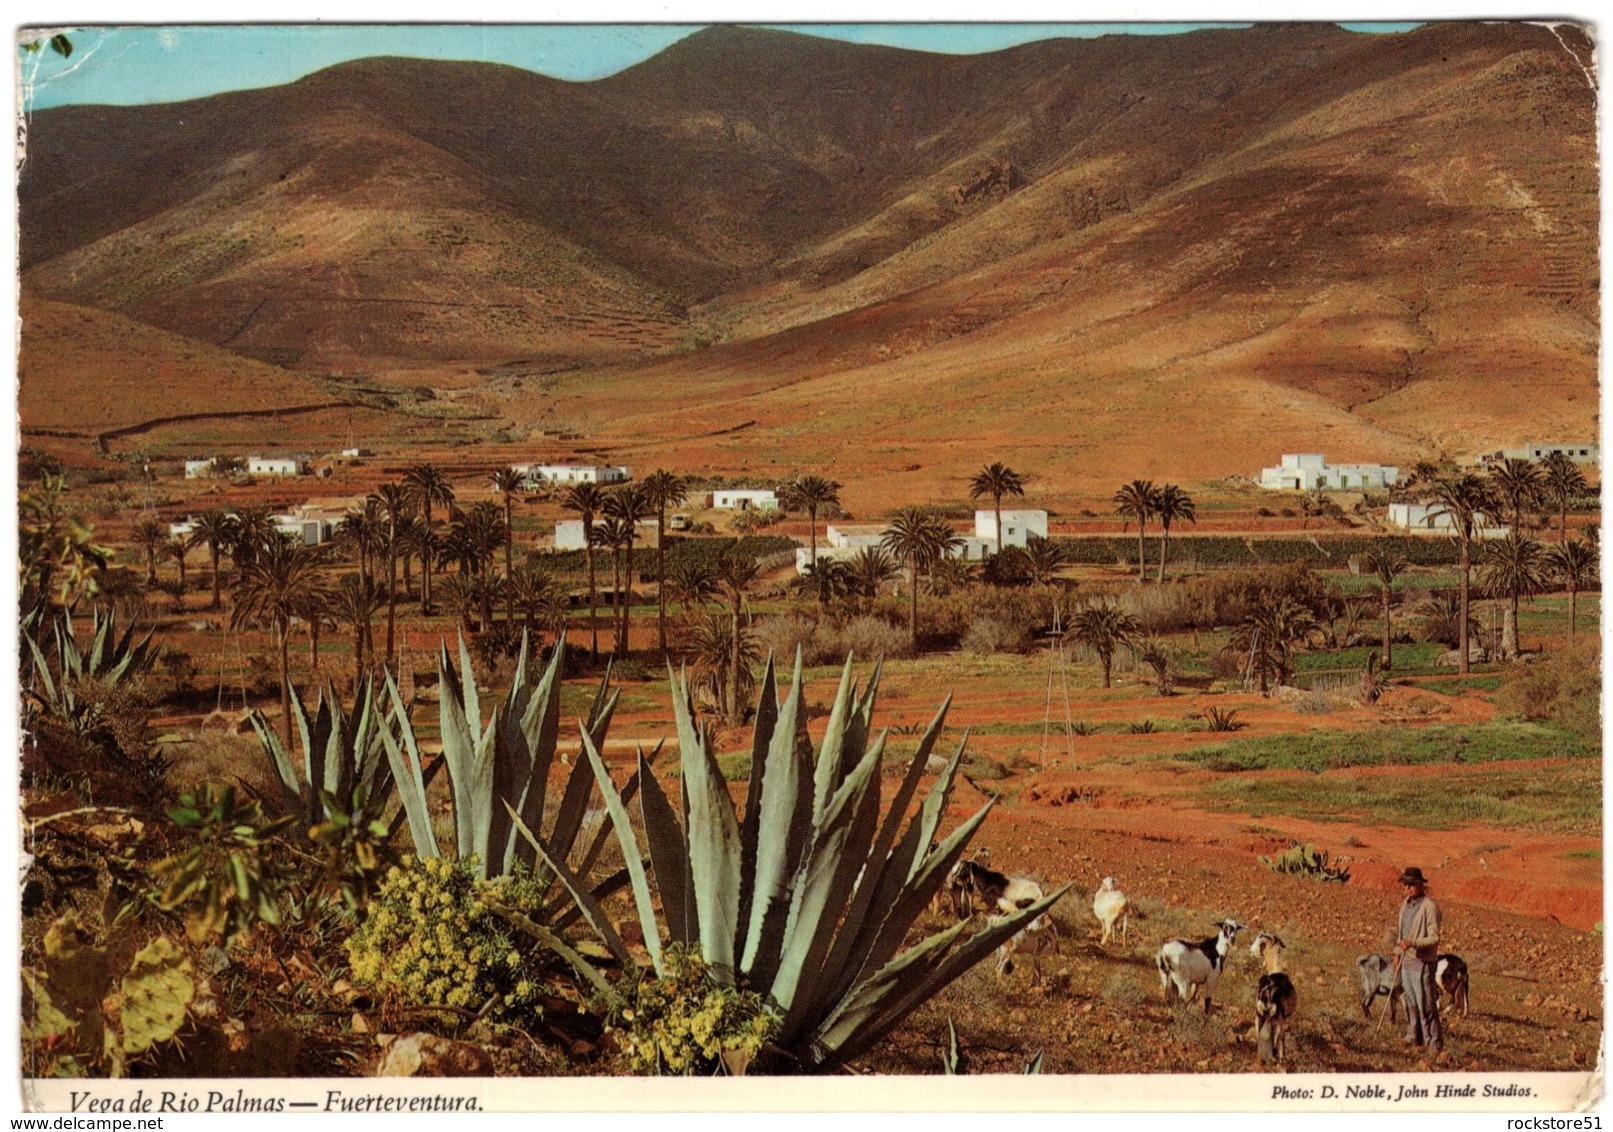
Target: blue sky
127 65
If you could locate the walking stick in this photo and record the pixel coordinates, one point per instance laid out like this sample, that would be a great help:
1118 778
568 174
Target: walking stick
1389 1013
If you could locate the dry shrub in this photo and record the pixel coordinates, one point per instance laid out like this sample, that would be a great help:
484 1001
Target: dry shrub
1565 688
873 637
1125 991
781 636
989 635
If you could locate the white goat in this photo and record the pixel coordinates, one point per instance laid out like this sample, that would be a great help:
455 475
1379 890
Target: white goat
1186 967
1109 904
1275 998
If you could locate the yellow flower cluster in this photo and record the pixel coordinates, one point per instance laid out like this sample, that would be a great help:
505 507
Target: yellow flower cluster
428 939
681 1023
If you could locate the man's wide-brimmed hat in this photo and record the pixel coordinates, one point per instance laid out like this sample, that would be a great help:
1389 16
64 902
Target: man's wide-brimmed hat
1413 876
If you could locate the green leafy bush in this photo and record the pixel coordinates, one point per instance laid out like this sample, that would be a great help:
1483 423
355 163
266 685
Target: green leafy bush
1307 860
685 1021
429 939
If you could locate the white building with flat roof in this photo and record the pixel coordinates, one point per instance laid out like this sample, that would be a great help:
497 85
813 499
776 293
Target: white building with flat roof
1019 527
1433 519
293 465
1307 471
568 533
745 499
1583 453
201 469
565 475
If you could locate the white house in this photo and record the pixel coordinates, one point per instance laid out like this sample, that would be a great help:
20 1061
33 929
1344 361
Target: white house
294 465
1307 471
1432 518
356 453
311 530
841 542
201 469
1579 453
1019 527
564 475
182 529
745 499
568 533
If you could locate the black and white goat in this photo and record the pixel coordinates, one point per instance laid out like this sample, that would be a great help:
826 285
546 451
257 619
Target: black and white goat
1450 976
1275 998
1188 967
1379 976
1109 904
998 893
1040 935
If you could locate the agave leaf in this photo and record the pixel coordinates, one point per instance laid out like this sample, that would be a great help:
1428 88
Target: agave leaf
540 730
630 853
669 856
884 871
556 944
713 841
761 738
899 910
458 749
601 892
596 916
976 948
822 894
403 755
865 1001
286 774
629 790
473 698
826 777
928 819
782 840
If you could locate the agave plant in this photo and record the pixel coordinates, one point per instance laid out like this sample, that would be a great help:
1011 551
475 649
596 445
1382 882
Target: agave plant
498 773
343 752
808 898
109 660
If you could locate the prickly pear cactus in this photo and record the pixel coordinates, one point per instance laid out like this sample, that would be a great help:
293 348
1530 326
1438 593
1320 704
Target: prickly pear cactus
1307 860
160 986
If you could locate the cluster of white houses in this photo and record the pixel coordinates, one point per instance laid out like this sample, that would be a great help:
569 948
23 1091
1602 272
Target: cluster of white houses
847 541
565 475
1308 471
296 464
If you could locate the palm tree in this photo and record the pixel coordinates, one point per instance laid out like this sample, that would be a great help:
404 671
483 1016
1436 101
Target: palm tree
1517 483
997 481
693 582
1463 498
1103 629
1575 563
533 590
1561 480
1171 505
254 532
830 580
429 487
1513 567
481 532
508 481
736 573
178 549
1138 500
355 602
615 535
871 569
629 503
462 593
1043 558
724 654
919 540
396 503
662 489
810 494
1386 566
361 528
215 528
588 501
270 592
316 610
1268 635
150 536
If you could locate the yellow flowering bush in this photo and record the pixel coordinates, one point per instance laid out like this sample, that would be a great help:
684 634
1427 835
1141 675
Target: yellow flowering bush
682 1023
427 939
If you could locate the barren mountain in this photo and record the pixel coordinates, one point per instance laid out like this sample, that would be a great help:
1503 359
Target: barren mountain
1250 236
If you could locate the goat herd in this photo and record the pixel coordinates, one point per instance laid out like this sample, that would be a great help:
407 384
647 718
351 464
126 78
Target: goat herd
1187 968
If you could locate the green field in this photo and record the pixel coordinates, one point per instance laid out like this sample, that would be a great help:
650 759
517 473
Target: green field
1389 745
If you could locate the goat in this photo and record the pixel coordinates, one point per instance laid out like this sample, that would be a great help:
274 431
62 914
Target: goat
1186 966
1450 976
956 890
1034 938
1108 905
995 890
1379 976
1275 998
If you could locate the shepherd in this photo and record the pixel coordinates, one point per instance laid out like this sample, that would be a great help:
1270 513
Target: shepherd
1417 956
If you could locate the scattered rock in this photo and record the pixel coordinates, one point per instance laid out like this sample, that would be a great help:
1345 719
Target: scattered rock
427 1055
360 1024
